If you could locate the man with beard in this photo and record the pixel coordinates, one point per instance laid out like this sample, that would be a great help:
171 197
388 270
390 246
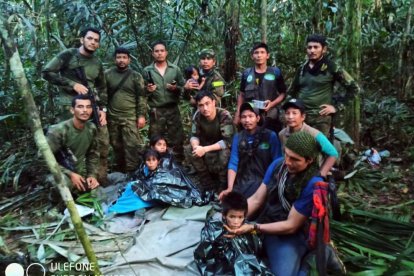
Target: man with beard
210 142
127 106
211 80
63 71
76 140
252 151
314 84
285 201
164 86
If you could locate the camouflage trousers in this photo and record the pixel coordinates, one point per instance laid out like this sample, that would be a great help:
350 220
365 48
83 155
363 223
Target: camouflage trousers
103 144
126 143
166 121
211 168
321 123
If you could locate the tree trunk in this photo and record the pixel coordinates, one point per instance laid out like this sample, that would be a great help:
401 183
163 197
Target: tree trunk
263 20
405 67
317 19
231 38
353 60
16 66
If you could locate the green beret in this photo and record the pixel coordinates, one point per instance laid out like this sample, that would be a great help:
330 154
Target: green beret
207 53
303 144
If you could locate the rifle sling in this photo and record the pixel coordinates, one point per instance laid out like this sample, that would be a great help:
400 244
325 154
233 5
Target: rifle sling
120 84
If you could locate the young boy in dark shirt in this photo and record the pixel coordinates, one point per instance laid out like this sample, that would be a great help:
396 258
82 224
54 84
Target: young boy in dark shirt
218 254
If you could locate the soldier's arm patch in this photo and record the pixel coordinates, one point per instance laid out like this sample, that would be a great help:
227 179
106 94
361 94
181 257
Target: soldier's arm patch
218 83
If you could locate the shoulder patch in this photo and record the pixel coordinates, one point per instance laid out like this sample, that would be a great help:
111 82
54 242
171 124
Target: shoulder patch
217 83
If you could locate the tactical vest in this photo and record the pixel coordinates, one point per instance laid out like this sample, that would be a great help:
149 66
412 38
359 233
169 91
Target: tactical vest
268 88
254 159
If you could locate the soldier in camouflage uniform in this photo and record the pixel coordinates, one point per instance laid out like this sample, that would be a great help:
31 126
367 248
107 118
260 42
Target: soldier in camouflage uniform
210 142
164 86
211 80
127 106
314 84
77 137
61 72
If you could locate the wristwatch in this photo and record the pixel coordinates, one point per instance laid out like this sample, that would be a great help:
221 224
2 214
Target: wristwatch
104 109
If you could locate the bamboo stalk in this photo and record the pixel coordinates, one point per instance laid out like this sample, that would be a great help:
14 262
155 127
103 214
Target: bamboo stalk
16 66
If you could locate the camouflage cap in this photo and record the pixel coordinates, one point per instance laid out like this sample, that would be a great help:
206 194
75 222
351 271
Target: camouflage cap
207 53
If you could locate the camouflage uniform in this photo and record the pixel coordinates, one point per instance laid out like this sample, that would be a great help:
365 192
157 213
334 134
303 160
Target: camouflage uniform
165 118
60 71
214 82
125 106
82 143
316 87
213 163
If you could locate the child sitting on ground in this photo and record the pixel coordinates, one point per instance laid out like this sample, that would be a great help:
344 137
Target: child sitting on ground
218 253
129 201
159 144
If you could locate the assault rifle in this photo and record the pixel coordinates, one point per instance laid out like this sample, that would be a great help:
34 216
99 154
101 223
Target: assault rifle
66 158
80 73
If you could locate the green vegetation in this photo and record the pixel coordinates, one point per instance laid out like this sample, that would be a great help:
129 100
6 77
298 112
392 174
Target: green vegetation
372 39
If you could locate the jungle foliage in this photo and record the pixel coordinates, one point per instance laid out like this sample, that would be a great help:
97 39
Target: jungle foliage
372 39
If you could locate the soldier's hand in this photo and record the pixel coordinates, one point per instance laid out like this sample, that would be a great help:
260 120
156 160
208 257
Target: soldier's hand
102 118
77 181
326 109
141 122
268 105
171 87
92 182
80 88
199 151
223 194
151 87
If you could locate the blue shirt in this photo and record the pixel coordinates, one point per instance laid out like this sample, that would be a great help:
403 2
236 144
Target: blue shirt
304 203
275 149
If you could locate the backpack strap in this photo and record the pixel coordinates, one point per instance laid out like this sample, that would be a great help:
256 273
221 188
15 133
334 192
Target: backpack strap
120 84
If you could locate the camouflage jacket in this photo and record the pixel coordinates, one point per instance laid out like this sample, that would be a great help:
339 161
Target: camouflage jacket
129 101
82 144
214 83
316 86
61 71
220 130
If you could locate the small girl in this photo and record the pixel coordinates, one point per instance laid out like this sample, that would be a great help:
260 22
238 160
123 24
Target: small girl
192 73
129 201
152 160
192 76
159 144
